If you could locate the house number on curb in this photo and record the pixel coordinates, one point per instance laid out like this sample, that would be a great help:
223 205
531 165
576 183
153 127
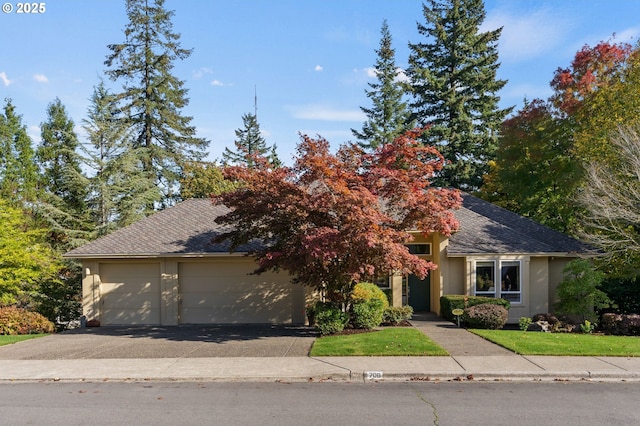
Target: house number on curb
373 375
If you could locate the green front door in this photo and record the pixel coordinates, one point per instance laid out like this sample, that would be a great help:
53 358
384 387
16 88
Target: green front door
419 293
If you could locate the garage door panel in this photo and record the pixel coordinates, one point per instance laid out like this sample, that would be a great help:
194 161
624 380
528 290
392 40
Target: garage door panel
223 292
130 293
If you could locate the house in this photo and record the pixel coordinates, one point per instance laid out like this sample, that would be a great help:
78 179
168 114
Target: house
166 270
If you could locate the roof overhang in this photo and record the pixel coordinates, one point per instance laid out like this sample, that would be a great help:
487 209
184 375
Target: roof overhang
154 255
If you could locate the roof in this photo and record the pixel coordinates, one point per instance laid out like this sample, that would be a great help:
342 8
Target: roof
488 229
188 229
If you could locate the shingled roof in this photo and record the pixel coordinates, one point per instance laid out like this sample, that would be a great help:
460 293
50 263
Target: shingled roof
189 227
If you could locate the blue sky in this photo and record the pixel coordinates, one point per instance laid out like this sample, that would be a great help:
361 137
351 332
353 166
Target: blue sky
310 60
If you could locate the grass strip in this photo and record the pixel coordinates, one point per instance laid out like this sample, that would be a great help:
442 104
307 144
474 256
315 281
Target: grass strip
9 339
563 344
392 341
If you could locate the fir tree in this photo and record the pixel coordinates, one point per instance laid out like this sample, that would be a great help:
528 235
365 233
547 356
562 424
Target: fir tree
250 144
18 170
152 97
63 184
388 117
453 81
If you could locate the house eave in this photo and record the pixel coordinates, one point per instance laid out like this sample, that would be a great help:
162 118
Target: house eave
535 254
152 255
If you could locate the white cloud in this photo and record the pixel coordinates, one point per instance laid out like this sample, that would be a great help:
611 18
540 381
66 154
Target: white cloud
217 83
40 78
201 72
527 36
371 72
318 68
5 80
324 113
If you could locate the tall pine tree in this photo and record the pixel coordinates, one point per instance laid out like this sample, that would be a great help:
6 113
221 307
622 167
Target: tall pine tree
18 170
152 98
250 144
388 117
453 81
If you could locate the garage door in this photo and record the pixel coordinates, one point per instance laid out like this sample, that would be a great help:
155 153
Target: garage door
130 293
222 292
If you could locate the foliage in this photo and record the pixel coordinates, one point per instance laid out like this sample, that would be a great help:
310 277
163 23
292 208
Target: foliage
623 292
368 303
364 292
388 117
152 98
250 144
579 294
335 219
401 341
449 302
622 325
486 315
587 327
24 260
203 179
394 315
453 81
524 323
329 318
18 170
564 344
20 321
58 300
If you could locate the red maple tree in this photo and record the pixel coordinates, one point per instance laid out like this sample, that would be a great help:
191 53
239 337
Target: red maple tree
334 219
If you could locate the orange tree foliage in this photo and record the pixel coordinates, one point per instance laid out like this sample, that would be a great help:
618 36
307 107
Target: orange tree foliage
334 219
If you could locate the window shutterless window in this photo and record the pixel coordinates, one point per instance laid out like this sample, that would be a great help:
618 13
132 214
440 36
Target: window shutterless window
507 276
485 276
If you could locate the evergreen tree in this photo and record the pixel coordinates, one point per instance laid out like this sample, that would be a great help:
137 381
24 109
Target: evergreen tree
152 98
18 170
250 144
118 176
64 186
388 117
453 81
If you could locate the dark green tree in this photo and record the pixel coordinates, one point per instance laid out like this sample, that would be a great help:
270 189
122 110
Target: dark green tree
64 186
204 179
152 97
388 117
18 170
249 145
454 86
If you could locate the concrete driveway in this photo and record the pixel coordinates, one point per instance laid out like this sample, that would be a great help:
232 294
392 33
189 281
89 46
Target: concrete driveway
204 341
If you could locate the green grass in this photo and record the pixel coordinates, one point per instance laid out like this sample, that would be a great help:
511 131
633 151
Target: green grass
395 341
7 340
563 344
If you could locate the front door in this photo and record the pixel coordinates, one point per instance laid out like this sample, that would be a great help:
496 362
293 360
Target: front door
419 293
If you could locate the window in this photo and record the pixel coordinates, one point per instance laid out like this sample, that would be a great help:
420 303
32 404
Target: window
419 248
509 277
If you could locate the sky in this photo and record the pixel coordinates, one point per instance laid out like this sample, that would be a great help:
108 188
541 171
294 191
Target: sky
308 61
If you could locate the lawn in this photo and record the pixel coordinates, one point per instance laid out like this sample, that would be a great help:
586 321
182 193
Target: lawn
9 339
393 341
570 344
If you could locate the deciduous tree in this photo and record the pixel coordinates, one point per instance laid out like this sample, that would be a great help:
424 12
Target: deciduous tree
334 219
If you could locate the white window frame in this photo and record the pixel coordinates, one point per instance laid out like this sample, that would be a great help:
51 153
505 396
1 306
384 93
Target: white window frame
492 290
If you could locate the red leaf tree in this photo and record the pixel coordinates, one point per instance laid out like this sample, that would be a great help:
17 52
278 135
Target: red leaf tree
334 219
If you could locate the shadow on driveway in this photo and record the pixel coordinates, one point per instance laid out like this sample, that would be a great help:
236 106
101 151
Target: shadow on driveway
185 341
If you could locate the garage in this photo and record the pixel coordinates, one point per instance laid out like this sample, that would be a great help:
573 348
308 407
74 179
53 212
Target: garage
130 293
222 291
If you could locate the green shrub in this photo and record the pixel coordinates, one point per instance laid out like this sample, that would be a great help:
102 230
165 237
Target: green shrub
329 318
486 315
367 314
449 302
620 324
363 292
579 292
524 323
20 321
394 315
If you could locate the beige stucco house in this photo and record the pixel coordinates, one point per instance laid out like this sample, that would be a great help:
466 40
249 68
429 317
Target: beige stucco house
166 270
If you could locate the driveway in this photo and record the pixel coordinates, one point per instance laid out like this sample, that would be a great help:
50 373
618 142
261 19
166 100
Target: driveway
204 341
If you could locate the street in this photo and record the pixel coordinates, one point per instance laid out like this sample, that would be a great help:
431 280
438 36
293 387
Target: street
393 403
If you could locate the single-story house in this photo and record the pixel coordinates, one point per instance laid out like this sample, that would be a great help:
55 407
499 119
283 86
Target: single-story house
166 270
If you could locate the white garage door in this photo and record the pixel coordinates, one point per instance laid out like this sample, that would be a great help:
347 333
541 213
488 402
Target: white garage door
221 291
130 293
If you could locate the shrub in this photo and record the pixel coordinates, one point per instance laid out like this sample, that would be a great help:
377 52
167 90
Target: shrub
393 315
367 314
458 301
486 315
329 318
363 292
579 291
20 321
624 293
524 323
620 324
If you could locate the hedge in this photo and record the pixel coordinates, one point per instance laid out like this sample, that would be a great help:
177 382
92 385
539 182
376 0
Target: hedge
449 302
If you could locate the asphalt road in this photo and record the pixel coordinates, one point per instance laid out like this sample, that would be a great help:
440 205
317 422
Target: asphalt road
283 404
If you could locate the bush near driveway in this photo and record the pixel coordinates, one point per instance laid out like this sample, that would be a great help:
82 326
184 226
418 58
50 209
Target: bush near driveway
14 320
